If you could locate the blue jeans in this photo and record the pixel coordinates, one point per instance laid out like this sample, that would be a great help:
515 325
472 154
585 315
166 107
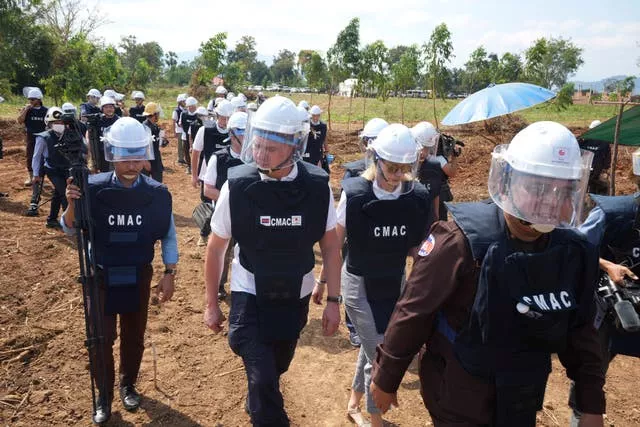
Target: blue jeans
264 362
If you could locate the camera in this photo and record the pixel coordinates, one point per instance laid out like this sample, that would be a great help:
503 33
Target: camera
449 146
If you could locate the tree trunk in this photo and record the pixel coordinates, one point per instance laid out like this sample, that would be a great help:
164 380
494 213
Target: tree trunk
614 158
364 110
433 94
349 115
329 109
402 111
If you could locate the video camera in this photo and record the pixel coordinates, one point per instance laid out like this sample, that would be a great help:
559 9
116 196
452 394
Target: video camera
449 146
71 143
623 301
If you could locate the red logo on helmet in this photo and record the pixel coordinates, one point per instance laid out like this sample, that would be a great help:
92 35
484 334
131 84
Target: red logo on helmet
561 152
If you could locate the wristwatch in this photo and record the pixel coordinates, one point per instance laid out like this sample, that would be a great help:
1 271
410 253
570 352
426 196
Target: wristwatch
336 299
171 271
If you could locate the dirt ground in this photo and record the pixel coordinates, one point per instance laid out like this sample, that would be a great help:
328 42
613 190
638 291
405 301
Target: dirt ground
199 381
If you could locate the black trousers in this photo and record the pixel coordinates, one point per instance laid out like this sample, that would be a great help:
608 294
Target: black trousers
264 362
206 228
58 178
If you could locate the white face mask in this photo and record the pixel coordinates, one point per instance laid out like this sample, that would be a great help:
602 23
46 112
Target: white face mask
543 228
315 123
58 128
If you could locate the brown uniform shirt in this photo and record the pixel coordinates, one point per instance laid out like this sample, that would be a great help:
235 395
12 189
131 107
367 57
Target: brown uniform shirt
445 280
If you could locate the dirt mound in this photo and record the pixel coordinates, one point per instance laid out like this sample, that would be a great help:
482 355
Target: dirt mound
197 379
11 132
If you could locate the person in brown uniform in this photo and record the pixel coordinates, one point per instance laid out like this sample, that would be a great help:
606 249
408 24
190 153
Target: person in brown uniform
500 288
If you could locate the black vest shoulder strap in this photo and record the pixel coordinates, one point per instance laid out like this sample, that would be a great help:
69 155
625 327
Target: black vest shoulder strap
356 185
481 223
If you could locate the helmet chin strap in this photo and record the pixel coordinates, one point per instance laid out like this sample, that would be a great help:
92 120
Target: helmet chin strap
384 177
277 168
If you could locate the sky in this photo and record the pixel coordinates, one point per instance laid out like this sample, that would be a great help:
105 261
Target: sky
609 32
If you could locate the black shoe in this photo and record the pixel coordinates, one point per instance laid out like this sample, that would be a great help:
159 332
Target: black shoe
354 339
130 397
222 294
53 223
103 412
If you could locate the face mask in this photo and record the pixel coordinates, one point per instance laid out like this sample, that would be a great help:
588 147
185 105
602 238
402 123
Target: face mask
130 177
543 228
58 128
315 123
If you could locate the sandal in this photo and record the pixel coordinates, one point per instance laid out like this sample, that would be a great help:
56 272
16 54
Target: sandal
355 416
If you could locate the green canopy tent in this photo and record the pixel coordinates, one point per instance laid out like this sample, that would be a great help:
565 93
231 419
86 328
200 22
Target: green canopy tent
629 129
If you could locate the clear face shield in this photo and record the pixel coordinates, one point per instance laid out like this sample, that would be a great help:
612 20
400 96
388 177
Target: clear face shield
544 202
236 137
392 176
208 120
124 151
273 147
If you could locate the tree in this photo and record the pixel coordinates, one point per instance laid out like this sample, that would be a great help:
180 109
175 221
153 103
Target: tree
315 71
66 19
343 58
212 54
396 52
109 71
405 73
133 52
477 70
622 86
438 52
26 47
550 62
233 74
283 65
510 68
171 59
259 73
244 55
375 61
304 56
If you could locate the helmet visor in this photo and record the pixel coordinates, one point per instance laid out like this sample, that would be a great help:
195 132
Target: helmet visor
538 199
271 150
391 176
123 151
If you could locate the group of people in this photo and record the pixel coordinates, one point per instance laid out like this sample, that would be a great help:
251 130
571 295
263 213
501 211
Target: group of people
491 295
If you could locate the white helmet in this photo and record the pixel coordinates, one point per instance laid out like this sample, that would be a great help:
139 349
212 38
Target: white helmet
304 104
68 108
127 139
53 114
242 95
230 96
202 111
218 101
224 108
191 101
136 94
252 106
426 134
277 124
182 97
107 100
34 93
238 102
635 158
394 150
594 124
221 90
373 128
94 92
238 120
396 144
110 93
315 110
541 177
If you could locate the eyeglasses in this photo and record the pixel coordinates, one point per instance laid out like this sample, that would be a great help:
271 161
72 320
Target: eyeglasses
393 168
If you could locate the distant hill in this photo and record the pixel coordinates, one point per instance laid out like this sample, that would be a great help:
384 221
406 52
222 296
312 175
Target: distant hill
599 85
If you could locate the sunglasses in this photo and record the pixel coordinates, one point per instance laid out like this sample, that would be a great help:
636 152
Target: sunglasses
393 168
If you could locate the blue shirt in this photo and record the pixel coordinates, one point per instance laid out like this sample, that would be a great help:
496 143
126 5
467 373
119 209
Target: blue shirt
593 227
169 242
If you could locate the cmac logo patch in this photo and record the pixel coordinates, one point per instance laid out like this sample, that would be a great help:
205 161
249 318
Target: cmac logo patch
292 221
560 155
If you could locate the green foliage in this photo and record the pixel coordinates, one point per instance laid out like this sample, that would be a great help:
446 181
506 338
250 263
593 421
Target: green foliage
564 98
282 68
438 52
316 72
405 71
234 76
375 62
260 74
550 62
343 57
108 69
622 86
212 54
477 75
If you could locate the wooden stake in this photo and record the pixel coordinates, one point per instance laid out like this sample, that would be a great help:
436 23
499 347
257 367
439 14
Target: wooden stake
614 158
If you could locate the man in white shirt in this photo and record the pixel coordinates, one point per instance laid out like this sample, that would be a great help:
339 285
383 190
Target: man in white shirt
276 208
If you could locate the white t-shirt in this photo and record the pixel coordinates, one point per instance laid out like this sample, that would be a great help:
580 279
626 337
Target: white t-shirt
341 210
211 174
442 160
243 280
176 119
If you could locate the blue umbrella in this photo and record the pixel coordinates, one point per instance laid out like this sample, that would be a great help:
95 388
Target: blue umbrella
497 100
